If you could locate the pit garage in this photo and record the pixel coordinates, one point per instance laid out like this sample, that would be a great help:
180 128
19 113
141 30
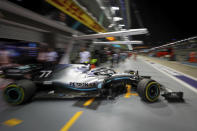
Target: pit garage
125 112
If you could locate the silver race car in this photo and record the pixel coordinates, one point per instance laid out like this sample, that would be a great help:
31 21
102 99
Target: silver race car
78 80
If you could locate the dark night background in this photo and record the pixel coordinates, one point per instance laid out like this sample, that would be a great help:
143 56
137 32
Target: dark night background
166 20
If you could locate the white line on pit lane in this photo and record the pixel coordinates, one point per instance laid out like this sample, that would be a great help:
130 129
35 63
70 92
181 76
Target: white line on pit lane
173 77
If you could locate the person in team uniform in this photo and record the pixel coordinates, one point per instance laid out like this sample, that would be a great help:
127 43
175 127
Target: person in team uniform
84 56
4 57
51 57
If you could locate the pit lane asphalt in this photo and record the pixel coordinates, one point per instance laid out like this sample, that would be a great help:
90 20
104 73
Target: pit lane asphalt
121 114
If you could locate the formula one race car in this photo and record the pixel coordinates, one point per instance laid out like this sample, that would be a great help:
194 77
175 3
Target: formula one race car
77 80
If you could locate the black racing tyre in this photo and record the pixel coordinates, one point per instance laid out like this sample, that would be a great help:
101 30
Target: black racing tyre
19 92
148 90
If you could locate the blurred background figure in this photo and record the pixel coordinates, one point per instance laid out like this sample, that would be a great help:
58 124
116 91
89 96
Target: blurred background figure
84 56
109 57
129 54
135 55
42 56
115 58
123 56
192 57
104 54
96 55
4 56
52 57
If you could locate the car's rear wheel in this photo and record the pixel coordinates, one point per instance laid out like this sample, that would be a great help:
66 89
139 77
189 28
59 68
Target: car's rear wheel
19 92
148 90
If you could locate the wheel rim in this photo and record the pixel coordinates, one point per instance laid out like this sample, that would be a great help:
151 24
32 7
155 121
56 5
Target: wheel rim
14 94
152 91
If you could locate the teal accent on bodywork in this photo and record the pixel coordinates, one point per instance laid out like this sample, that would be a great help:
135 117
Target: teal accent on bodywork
24 67
118 78
108 81
80 89
99 85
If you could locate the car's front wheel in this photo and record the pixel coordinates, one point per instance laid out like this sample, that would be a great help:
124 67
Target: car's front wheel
148 90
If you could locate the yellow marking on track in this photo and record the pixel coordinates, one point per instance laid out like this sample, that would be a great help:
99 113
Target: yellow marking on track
129 94
12 122
88 102
134 94
71 121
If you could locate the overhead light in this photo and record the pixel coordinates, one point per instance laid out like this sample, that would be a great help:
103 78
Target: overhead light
121 25
102 7
109 18
111 25
120 42
117 18
110 34
115 8
111 38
